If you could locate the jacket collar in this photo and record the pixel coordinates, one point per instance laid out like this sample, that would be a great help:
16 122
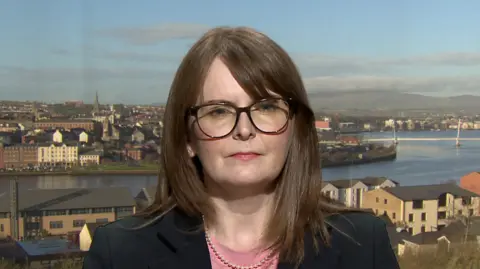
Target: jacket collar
182 235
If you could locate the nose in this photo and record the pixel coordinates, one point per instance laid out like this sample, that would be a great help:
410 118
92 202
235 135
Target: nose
244 129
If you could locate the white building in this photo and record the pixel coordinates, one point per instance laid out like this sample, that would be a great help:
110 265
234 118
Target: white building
83 137
89 158
57 154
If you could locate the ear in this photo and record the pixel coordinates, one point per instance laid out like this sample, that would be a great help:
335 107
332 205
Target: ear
190 151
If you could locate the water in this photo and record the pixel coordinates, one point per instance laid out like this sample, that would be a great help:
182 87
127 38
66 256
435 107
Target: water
418 162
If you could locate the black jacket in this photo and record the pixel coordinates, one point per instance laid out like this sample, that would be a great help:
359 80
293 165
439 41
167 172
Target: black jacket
165 245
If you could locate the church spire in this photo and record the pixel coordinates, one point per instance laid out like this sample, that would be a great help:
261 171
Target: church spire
96 105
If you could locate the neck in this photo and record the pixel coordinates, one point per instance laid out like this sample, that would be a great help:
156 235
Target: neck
240 223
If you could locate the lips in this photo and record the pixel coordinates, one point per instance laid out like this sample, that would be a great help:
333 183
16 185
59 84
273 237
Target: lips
245 156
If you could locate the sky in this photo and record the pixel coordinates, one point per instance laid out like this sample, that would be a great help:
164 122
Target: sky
128 51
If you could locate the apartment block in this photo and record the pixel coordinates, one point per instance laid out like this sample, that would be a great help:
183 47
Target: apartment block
60 211
51 154
422 208
64 124
20 156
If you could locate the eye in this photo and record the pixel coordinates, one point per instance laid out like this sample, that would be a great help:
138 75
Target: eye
267 107
215 111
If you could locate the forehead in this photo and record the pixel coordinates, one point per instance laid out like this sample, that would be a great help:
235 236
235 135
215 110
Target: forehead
221 85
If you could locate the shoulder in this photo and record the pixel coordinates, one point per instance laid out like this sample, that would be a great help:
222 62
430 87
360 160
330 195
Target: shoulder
131 228
363 237
358 227
354 223
124 242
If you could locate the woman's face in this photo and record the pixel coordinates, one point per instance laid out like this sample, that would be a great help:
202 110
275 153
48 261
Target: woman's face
220 160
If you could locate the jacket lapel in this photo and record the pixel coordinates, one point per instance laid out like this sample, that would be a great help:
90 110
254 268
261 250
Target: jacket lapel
326 258
187 243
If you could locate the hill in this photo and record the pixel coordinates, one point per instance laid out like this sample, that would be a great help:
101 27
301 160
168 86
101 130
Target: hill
390 100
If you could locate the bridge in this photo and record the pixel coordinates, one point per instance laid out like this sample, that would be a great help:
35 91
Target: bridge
422 139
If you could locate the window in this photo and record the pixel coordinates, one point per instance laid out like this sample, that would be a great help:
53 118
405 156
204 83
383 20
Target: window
422 229
55 212
410 217
394 216
56 224
78 223
385 201
377 200
424 216
79 211
104 220
2 229
127 209
466 200
442 215
410 230
459 212
417 204
102 210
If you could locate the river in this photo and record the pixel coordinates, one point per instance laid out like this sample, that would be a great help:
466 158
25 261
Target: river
418 162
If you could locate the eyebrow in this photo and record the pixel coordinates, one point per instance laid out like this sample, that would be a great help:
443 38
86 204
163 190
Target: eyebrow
216 101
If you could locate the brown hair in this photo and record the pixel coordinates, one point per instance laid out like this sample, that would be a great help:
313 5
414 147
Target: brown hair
258 64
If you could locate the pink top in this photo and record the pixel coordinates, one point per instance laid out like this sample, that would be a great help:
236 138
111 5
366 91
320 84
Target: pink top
239 258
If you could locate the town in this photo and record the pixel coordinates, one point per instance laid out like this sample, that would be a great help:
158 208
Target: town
44 225
82 138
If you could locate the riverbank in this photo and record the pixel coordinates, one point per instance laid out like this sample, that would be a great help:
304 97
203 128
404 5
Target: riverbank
151 170
115 169
82 173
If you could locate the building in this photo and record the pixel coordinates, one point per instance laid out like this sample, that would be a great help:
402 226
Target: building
350 191
84 138
471 182
133 153
145 197
2 162
60 211
64 124
330 190
422 208
374 183
86 235
89 158
455 234
20 156
57 137
322 125
57 154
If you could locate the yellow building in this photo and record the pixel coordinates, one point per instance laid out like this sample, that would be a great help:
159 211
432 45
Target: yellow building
54 154
422 208
60 211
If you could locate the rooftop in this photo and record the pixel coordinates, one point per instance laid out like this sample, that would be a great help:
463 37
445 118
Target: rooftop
48 247
428 192
62 199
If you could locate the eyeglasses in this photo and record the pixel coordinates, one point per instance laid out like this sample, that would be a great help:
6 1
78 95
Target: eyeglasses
218 120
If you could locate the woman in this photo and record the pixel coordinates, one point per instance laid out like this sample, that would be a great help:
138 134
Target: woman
242 185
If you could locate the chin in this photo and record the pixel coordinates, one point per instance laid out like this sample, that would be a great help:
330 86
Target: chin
247 180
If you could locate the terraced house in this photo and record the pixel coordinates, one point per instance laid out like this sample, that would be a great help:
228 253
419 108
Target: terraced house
422 208
60 211
351 191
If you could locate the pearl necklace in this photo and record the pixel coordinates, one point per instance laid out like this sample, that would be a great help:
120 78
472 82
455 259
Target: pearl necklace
229 264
